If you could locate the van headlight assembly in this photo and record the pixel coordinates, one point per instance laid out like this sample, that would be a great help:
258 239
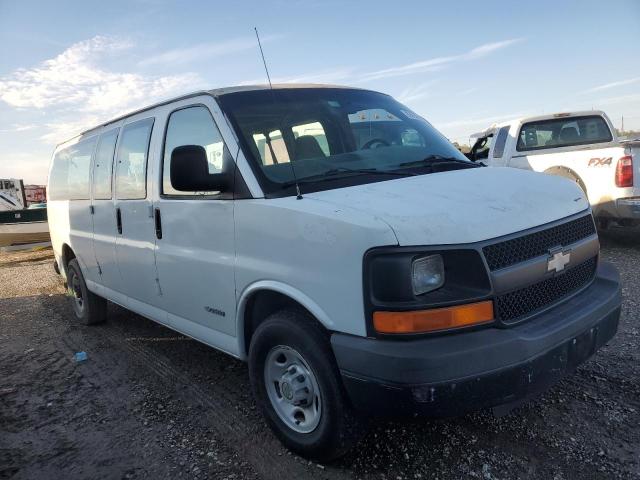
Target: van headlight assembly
427 274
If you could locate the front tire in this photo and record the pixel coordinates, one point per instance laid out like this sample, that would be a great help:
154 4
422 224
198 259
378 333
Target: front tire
88 307
297 386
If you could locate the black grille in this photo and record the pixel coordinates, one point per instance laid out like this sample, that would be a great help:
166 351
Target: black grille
512 306
516 250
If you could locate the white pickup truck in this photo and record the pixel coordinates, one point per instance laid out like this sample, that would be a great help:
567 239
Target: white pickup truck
581 146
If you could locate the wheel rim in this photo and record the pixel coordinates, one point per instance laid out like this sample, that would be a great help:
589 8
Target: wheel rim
76 293
292 389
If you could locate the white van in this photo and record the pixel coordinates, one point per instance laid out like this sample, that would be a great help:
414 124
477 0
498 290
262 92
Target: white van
342 246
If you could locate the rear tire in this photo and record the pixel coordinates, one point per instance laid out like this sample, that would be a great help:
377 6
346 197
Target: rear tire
88 307
322 425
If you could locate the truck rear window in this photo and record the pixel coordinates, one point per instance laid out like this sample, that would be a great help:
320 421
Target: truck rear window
563 132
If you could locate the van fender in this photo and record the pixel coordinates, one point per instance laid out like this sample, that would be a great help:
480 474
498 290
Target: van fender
284 289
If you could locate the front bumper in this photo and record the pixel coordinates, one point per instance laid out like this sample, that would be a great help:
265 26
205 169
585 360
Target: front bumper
451 374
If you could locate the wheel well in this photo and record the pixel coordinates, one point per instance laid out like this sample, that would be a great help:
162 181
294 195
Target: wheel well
566 172
262 304
67 256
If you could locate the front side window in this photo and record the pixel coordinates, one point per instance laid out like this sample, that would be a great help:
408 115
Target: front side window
71 171
131 176
563 132
320 136
192 126
103 165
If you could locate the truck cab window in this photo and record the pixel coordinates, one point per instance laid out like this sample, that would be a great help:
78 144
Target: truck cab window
501 140
131 174
563 132
481 148
192 126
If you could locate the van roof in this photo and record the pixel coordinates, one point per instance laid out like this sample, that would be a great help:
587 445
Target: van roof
216 92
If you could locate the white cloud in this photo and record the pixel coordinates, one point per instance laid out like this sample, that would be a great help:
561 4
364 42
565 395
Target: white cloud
634 97
607 86
181 56
417 92
18 127
438 63
352 75
77 93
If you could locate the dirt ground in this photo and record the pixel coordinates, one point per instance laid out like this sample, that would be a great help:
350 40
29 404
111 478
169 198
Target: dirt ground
149 403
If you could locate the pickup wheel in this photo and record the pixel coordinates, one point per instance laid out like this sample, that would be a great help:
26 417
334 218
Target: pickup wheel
88 307
296 384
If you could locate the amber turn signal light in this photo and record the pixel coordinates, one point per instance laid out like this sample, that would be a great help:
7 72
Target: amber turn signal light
421 321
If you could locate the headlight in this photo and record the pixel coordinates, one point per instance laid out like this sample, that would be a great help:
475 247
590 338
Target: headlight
427 274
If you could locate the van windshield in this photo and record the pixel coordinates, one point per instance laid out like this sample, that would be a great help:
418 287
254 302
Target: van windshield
331 137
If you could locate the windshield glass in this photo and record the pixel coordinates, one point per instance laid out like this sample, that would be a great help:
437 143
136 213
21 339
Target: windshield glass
331 134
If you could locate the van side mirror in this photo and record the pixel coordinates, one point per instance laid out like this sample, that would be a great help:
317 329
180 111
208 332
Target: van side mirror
190 171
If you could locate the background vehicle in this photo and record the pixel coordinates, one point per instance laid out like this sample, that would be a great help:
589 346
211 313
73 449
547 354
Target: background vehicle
580 146
338 243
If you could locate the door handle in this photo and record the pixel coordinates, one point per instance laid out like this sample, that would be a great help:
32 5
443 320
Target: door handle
119 220
158 222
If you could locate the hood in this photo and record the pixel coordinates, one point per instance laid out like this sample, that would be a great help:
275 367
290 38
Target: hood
462 206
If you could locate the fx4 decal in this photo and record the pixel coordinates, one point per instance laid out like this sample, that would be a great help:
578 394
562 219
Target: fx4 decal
599 162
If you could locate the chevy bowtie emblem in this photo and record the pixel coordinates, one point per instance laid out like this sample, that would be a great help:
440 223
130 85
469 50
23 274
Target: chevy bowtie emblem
558 260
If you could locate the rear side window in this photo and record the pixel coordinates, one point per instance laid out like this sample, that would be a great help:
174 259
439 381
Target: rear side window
192 126
131 175
103 165
271 147
501 140
71 171
563 132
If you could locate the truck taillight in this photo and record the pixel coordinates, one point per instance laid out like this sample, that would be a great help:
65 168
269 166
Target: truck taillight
624 172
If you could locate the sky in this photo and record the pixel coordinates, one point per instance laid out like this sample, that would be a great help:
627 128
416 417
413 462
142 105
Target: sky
68 65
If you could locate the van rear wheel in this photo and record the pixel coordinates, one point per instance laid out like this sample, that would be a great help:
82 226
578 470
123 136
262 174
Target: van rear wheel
297 386
88 307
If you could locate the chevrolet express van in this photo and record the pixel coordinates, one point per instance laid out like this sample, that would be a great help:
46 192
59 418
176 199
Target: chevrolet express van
338 243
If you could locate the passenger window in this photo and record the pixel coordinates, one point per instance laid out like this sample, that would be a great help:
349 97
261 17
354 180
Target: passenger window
70 172
501 140
192 126
103 165
271 148
131 173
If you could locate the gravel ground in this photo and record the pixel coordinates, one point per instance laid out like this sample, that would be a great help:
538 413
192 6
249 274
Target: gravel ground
149 403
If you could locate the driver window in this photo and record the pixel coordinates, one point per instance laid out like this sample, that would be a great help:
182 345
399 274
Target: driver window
192 126
482 147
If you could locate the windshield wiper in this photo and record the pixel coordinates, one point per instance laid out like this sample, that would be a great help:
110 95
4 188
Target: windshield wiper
436 159
335 172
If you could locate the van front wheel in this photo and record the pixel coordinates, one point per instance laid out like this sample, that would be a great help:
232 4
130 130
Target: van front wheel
297 386
88 307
